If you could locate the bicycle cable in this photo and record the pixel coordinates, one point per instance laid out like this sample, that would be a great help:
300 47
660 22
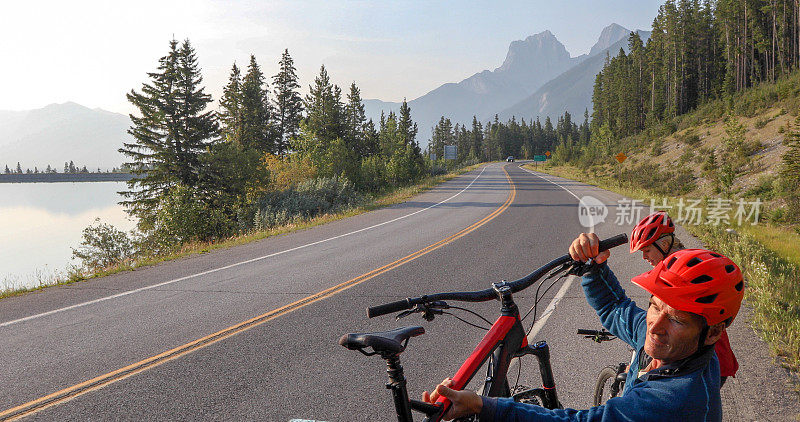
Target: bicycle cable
465 321
472 312
536 302
536 296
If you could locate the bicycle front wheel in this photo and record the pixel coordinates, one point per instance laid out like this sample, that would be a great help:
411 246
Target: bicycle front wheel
602 391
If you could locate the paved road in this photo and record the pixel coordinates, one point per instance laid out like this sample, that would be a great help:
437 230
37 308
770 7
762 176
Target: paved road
249 333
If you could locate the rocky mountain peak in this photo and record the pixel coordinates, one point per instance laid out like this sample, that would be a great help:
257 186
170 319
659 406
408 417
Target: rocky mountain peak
523 55
610 34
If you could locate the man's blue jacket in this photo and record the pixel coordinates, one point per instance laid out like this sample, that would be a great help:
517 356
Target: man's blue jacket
686 390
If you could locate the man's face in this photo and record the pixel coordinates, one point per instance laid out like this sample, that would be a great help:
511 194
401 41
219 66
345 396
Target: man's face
671 334
651 254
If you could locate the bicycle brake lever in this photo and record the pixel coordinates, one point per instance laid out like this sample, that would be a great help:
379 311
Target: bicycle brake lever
432 309
580 268
428 310
404 314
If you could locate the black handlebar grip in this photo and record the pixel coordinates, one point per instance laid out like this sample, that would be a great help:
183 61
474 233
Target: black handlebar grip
389 308
587 332
611 242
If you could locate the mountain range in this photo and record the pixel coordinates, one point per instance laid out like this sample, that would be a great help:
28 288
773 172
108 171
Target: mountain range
537 78
60 133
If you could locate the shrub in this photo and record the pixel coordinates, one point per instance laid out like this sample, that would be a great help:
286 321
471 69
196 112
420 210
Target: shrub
691 139
765 188
181 217
372 174
103 245
289 171
657 148
306 200
687 156
437 168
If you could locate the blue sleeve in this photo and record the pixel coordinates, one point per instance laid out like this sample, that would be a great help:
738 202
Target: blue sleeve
617 312
641 404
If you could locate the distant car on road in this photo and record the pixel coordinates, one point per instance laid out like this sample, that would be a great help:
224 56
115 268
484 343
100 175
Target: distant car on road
510 159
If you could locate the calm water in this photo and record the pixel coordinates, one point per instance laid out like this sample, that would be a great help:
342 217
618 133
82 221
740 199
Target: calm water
40 222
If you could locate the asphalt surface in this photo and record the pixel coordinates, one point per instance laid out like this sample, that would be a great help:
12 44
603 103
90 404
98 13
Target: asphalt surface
289 365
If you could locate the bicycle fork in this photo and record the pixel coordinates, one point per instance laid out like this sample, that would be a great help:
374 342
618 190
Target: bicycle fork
547 394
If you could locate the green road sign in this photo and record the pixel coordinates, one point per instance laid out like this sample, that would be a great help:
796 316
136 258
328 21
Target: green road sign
539 158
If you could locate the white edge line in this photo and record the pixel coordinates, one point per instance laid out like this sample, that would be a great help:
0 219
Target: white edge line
551 307
141 289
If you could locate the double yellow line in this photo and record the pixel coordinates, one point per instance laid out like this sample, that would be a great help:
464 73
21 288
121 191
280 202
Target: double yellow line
98 382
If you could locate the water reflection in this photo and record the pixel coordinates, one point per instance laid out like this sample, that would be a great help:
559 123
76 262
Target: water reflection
40 222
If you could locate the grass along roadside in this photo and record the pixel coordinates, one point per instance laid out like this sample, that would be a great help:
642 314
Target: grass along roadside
75 274
769 259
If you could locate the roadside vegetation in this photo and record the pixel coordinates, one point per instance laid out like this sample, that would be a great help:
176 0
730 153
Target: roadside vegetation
712 116
266 162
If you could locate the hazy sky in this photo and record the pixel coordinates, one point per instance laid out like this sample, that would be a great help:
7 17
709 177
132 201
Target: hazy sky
93 52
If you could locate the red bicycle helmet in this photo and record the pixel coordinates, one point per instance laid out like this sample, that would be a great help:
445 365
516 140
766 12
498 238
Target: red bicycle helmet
650 229
698 281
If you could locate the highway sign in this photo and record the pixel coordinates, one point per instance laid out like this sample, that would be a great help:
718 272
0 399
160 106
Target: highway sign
450 152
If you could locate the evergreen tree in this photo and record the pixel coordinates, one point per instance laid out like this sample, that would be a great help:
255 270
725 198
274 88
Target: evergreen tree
171 133
406 126
356 119
325 111
7 171
257 128
230 113
790 172
19 168
288 103
476 146
442 135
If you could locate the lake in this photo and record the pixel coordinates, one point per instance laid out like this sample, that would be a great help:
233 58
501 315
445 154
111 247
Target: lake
40 222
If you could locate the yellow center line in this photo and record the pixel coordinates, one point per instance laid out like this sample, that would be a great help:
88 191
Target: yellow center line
69 393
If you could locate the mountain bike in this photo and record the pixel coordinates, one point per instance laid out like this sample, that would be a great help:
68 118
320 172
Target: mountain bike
505 340
610 380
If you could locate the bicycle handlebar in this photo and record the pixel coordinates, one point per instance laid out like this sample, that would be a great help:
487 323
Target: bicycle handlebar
487 294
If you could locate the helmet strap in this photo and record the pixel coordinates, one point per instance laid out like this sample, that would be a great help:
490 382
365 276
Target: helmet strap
702 340
671 244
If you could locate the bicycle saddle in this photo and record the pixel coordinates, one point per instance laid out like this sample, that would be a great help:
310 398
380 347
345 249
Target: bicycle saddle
381 342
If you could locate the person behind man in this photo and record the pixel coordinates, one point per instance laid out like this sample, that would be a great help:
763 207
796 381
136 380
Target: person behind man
695 295
654 235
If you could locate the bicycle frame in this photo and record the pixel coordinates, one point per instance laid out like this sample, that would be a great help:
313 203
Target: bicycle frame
505 340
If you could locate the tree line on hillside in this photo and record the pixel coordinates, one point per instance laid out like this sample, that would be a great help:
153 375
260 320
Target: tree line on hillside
497 140
268 156
697 51
721 60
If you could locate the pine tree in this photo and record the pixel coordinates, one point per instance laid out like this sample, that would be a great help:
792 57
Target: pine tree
171 133
325 111
476 145
288 103
7 171
257 128
19 168
442 135
790 171
230 113
406 126
356 120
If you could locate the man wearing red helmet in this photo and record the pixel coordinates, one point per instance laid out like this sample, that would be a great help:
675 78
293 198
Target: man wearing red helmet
654 236
695 295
